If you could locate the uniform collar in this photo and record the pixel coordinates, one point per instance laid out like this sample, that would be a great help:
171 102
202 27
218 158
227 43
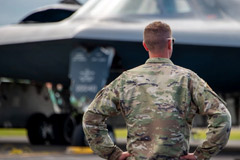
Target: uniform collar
159 60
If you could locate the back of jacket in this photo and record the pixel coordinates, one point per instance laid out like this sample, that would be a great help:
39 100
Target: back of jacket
156 104
158 101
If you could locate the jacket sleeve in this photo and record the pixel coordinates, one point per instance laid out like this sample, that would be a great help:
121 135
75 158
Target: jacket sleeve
104 105
219 118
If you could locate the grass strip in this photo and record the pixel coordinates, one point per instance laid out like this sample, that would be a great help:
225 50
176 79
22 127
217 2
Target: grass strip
197 133
13 132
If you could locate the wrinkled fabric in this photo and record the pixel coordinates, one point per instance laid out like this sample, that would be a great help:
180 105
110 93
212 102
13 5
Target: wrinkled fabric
158 101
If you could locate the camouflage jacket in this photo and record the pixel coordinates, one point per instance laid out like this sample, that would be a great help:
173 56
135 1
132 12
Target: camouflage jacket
158 101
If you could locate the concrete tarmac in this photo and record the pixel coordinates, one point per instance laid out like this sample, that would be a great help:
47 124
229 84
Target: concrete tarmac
17 148
81 157
52 157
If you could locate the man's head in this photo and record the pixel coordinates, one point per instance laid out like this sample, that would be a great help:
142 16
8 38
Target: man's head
157 39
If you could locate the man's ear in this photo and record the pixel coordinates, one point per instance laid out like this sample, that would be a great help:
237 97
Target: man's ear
145 46
169 44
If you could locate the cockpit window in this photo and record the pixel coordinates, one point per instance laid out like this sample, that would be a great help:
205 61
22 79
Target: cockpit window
177 6
137 7
127 7
209 9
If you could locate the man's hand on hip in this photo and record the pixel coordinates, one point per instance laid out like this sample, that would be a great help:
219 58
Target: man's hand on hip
190 156
124 156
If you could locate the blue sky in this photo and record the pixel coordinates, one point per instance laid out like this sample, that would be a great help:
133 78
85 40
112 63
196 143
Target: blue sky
12 11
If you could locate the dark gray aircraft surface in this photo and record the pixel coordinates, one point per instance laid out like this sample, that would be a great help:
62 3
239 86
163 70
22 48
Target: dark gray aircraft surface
207 36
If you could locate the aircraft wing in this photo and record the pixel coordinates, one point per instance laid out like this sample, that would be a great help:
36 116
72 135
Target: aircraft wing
26 33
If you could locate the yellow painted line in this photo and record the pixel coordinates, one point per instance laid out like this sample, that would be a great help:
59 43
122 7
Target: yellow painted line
16 151
79 150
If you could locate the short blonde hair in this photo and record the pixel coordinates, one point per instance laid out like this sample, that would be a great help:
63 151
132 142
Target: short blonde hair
156 34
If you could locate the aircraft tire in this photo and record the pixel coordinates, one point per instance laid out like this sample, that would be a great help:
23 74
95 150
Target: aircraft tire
57 122
36 129
78 138
69 126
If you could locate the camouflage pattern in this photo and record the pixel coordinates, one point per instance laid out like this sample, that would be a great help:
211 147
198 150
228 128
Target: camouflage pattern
158 101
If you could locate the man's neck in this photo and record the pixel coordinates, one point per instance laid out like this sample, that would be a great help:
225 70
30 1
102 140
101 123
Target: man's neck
158 55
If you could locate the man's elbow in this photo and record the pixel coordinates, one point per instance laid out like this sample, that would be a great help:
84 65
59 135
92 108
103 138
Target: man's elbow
92 119
226 126
224 117
228 119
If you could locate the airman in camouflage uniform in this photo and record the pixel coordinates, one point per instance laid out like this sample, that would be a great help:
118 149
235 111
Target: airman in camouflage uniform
158 101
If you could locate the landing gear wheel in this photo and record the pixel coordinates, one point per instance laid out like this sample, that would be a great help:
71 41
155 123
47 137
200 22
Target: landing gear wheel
37 128
57 122
78 138
69 126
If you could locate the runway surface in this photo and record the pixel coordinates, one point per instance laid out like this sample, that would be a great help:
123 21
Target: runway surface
36 156
18 148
